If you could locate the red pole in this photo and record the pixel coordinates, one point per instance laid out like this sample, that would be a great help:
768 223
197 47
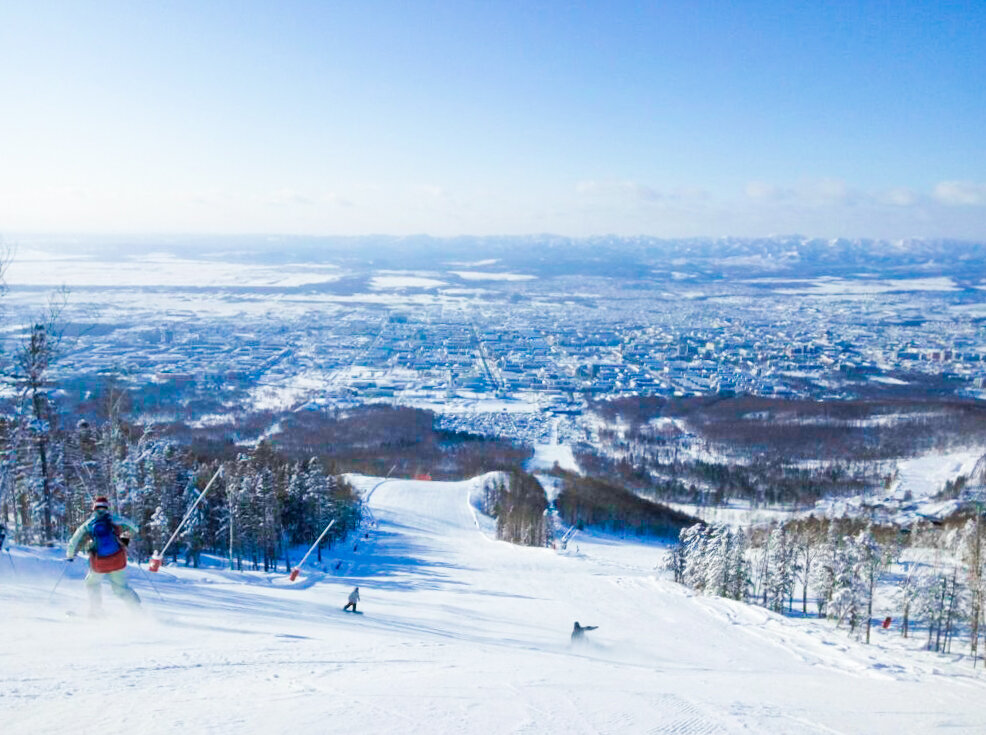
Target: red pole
297 569
158 556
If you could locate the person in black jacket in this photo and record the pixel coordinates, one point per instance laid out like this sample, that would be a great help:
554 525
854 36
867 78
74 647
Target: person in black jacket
579 631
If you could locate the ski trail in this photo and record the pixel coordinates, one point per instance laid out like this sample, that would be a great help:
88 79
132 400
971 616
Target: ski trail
460 633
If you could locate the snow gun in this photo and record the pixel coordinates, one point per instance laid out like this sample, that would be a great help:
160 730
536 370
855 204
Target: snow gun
297 570
158 556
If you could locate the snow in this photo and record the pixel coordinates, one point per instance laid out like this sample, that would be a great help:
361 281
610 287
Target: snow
36 268
912 494
492 276
733 513
460 633
887 380
388 282
833 286
552 453
546 456
925 476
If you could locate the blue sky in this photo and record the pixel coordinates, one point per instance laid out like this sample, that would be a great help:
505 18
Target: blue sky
667 119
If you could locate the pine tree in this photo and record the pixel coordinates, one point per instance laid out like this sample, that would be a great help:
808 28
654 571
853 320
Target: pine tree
844 603
739 567
971 545
694 539
781 566
871 558
716 561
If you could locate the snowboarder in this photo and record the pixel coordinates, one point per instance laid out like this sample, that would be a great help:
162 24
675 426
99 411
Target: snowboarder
101 536
578 631
353 599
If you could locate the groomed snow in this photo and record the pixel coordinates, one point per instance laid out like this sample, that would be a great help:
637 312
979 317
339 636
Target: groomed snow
546 456
461 634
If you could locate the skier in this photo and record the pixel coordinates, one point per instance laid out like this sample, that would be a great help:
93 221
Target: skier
353 599
578 632
101 537
3 535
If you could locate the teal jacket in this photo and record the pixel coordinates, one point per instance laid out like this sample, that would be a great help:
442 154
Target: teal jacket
82 539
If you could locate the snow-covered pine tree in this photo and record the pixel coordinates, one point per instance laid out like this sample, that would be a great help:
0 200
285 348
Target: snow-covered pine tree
694 539
158 528
823 570
192 536
739 566
871 559
716 561
675 562
910 583
971 549
845 602
782 570
808 540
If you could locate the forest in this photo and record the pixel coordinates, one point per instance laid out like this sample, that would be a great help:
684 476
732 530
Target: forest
771 451
518 503
927 580
587 501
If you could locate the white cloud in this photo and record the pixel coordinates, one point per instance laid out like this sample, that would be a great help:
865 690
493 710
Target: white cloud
808 192
961 193
761 191
825 191
898 197
622 189
289 196
432 191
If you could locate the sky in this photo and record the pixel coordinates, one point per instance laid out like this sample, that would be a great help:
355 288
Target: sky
671 119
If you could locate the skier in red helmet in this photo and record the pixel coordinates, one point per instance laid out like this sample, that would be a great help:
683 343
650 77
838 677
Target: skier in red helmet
104 536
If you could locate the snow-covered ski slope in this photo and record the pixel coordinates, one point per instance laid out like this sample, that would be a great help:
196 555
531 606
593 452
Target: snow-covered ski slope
460 634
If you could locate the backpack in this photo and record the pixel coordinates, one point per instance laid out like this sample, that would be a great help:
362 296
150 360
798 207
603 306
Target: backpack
104 536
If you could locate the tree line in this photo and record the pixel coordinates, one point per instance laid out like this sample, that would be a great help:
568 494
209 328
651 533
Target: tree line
589 501
929 578
518 503
263 504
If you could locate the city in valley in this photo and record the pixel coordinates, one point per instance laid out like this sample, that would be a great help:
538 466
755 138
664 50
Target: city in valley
520 331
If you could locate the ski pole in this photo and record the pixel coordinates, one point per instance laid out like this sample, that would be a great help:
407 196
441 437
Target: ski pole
158 556
58 582
150 581
10 558
297 569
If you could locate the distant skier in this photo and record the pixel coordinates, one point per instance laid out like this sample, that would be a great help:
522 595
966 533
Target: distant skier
3 535
578 631
101 536
353 599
